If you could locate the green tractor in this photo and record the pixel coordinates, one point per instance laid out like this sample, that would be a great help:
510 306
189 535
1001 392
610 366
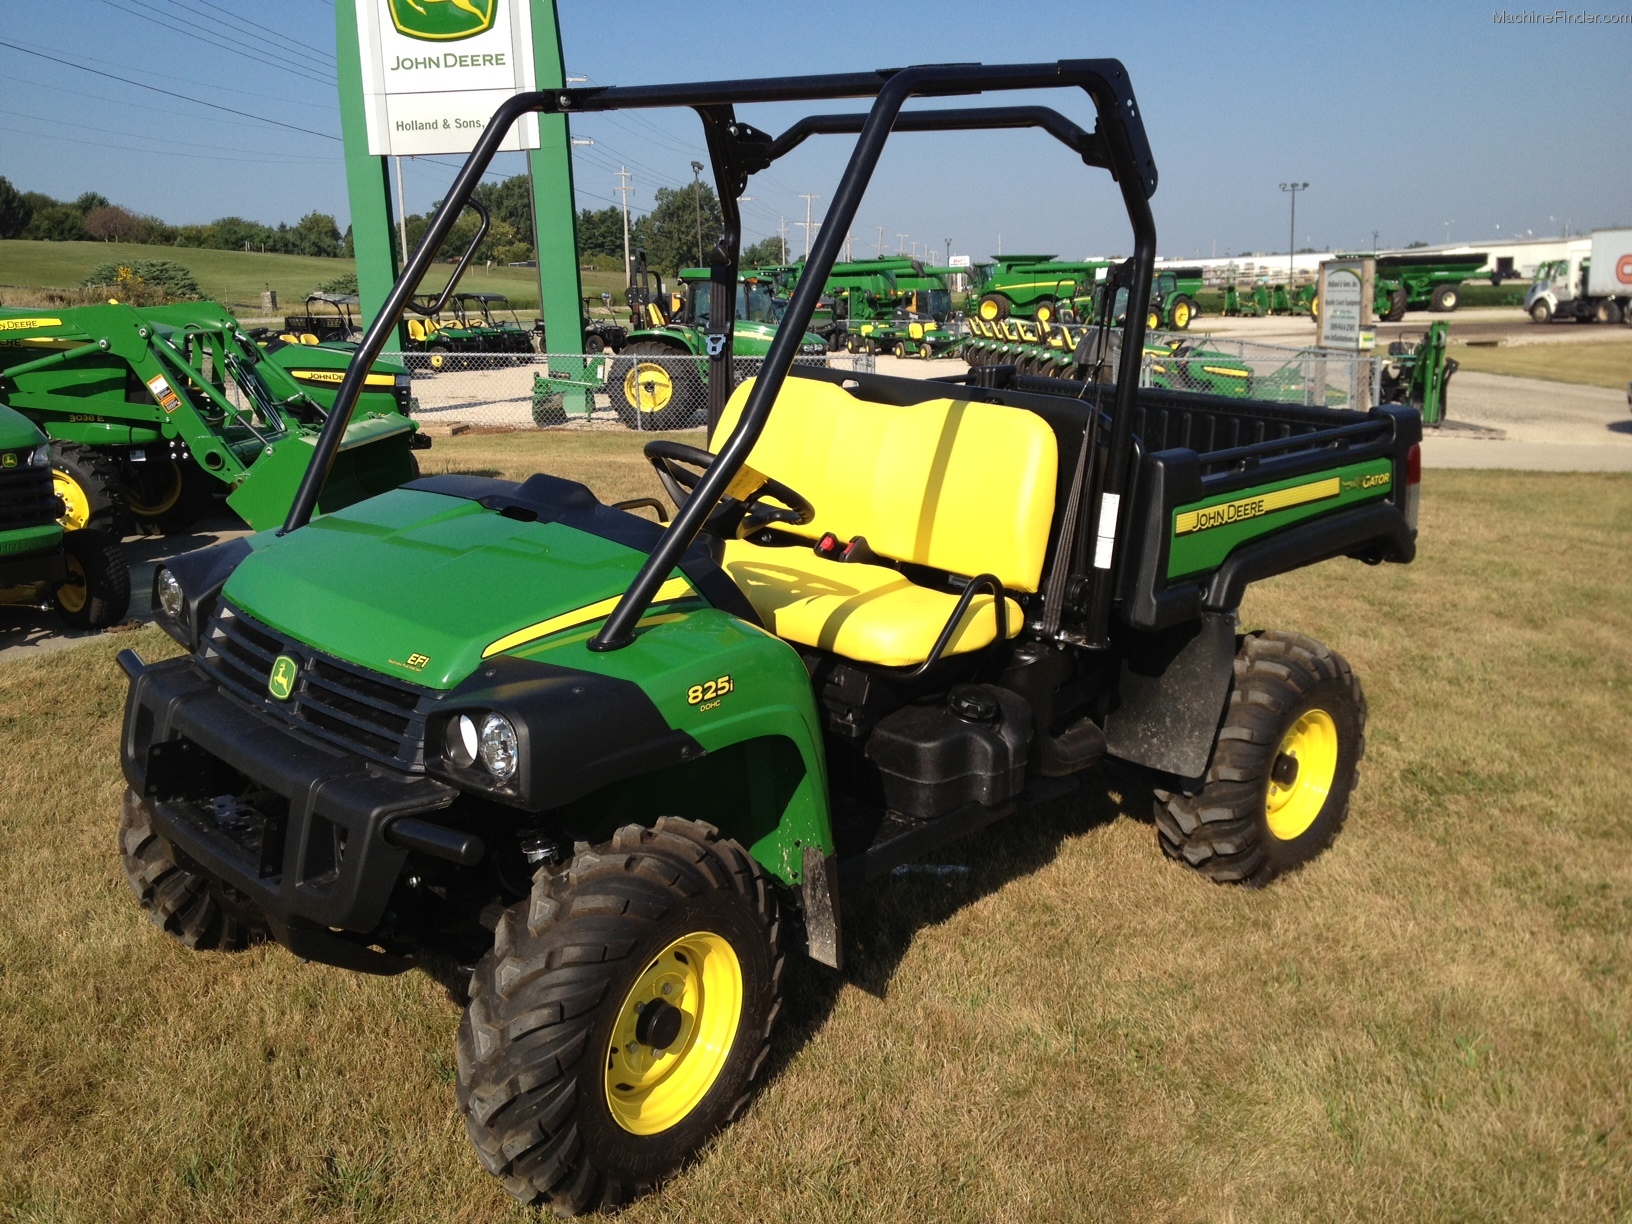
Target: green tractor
152 412
658 380
627 770
1173 299
80 573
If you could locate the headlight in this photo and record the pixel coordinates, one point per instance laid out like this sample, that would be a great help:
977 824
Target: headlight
498 746
41 456
167 593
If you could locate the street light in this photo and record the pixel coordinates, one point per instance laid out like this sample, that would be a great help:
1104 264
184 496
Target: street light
697 194
1292 234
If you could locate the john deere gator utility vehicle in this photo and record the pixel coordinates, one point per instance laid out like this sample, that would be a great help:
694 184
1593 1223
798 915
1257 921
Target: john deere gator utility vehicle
650 763
151 412
82 573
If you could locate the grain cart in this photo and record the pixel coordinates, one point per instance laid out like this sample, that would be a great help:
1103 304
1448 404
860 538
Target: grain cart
650 762
81 573
1420 282
153 411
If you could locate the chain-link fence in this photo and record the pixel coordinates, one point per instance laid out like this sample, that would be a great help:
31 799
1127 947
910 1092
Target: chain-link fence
643 391
1219 365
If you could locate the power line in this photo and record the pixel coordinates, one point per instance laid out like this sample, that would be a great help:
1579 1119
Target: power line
157 110
186 144
283 99
266 29
168 93
279 64
254 161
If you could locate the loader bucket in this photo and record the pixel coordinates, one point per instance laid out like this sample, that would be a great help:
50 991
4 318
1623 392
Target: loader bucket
375 457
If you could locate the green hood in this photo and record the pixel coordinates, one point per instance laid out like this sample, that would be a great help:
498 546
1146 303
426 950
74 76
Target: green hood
18 433
417 585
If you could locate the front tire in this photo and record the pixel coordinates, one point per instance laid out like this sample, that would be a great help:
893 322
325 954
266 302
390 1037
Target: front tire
191 909
1445 299
621 1016
1284 764
89 485
96 592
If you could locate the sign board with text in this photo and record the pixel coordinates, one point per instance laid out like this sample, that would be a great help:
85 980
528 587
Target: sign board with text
434 71
1345 311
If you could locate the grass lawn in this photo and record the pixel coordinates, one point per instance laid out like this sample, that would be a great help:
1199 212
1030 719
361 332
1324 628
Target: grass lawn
236 278
1602 363
1432 1022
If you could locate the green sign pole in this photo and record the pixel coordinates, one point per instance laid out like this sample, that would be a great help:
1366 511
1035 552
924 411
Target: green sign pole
367 181
554 208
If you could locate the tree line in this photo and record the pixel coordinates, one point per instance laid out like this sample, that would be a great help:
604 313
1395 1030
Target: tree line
678 232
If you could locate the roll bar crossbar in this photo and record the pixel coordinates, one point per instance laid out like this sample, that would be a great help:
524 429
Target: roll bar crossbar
738 150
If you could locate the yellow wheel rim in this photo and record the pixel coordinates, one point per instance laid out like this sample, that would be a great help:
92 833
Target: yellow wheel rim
73 593
674 1033
1301 775
648 387
1181 315
988 311
169 494
76 506
1045 312
1152 321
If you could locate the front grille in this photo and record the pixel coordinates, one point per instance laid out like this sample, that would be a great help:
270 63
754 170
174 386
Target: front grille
27 498
362 711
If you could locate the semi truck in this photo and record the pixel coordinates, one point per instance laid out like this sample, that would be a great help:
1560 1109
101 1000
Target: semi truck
1592 284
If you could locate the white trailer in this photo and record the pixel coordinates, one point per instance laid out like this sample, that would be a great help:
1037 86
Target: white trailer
1591 284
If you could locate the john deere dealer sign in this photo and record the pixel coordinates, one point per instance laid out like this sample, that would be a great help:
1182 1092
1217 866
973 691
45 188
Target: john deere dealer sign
434 71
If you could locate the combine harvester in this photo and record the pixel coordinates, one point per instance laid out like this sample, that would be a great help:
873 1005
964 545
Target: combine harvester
151 412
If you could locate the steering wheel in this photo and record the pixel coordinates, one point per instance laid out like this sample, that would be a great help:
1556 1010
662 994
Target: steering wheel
742 511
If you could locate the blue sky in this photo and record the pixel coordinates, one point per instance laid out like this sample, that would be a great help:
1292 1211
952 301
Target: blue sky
1411 121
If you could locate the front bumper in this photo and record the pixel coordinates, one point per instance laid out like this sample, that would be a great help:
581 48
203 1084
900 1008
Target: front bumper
298 827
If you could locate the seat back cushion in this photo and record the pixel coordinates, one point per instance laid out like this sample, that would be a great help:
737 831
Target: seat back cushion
951 484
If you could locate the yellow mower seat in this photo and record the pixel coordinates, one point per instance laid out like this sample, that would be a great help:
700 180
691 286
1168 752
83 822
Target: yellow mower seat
948 484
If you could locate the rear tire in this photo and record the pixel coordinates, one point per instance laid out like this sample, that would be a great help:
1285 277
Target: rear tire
650 395
1445 298
96 592
1284 764
89 485
192 909
1398 300
574 1090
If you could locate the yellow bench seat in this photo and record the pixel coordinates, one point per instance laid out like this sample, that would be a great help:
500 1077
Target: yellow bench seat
866 612
955 486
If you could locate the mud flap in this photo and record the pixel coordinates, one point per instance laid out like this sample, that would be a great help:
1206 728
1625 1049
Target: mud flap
1172 690
374 458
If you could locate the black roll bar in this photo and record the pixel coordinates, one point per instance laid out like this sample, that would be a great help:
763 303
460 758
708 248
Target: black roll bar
1117 143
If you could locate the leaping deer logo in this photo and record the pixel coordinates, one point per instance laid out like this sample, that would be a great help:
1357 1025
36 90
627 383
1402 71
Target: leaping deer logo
442 20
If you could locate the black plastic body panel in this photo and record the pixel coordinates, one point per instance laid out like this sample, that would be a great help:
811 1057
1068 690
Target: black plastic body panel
328 794
1171 694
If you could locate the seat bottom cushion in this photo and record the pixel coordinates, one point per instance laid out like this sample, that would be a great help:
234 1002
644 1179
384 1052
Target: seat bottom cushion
869 613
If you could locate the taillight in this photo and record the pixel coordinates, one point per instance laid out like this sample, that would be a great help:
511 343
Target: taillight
1413 484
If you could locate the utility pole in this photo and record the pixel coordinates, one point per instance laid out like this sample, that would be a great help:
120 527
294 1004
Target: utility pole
1292 236
879 252
782 233
901 244
948 253
402 218
846 246
624 189
697 194
1374 242
809 224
